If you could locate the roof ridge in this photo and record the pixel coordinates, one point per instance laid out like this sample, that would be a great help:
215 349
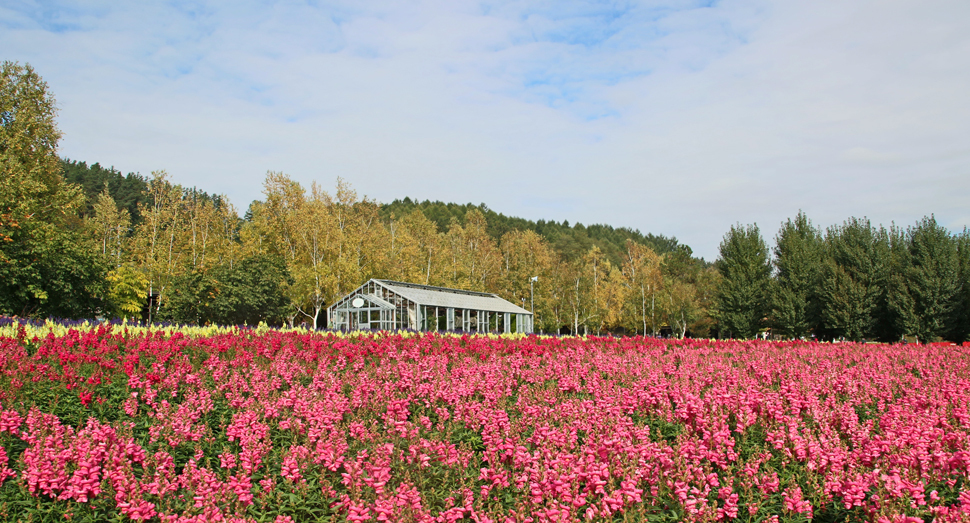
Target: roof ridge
436 288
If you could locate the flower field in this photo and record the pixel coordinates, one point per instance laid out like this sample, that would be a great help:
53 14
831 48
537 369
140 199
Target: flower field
107 423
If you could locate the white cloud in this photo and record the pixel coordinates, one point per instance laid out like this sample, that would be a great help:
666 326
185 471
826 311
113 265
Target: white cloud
671 117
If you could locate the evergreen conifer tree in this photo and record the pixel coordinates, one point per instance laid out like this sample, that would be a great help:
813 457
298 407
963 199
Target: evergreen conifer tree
742 299
934 279
798 261
852 277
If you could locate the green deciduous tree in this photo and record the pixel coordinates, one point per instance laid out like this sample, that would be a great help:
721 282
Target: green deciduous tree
686 291
31 186
706 283
249 292
46 267
127 290
58 275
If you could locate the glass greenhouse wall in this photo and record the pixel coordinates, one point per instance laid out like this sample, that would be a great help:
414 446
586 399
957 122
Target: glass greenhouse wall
393 305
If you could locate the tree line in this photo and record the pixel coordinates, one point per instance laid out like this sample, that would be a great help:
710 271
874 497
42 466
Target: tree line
852 281
83 241
80 241
570 241
307 247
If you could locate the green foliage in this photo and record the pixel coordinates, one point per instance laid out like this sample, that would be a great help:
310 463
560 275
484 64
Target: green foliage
661 430
863 282
249 292
898 313
63 222
31 186
46 267
962 318
189 300
128 291
48 272
798 255
852 276
934 279
742 298
572 242
127 191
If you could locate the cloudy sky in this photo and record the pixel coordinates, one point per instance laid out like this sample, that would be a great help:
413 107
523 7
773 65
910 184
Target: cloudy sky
673 117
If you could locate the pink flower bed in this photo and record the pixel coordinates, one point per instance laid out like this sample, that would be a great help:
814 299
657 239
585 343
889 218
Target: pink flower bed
291 427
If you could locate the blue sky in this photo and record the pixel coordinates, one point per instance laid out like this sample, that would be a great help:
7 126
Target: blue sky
673 117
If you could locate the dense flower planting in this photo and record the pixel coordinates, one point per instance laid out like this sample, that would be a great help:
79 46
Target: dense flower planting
110 424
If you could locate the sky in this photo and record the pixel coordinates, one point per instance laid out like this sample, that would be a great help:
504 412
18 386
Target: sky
679 117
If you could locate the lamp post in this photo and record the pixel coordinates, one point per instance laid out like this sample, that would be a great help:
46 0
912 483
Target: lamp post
532 299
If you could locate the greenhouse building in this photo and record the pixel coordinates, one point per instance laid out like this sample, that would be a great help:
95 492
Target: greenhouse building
393 305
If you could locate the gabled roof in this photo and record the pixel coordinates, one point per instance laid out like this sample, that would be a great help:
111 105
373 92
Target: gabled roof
456 298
